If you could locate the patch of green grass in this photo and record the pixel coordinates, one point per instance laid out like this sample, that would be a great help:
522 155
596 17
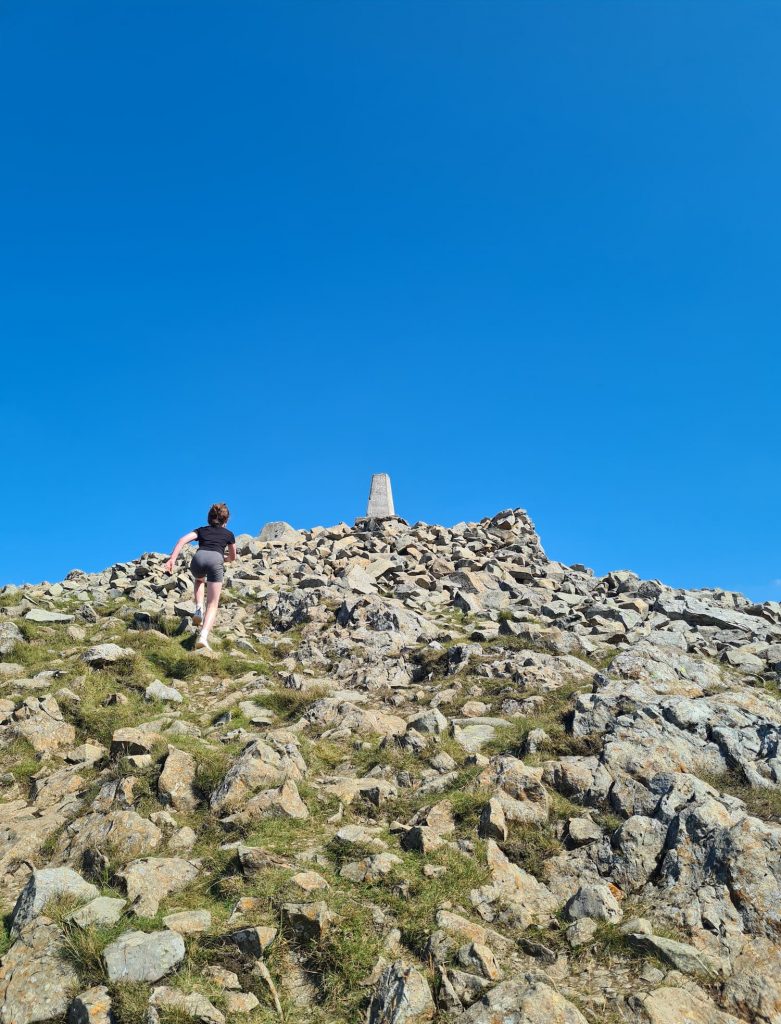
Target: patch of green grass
99 720
346 956
552 714
290 704
288 836
40 652
431 662
211 761
510 642
83 948
607 820
530 845
19 758
49 845
386 753
411 800
761 801
467 806
322 756
602 660
5 936
130 1001
415 904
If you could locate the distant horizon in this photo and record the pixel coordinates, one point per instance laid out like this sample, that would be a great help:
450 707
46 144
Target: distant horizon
513 254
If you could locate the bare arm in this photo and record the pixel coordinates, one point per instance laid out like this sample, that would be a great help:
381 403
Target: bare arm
231 554
192 535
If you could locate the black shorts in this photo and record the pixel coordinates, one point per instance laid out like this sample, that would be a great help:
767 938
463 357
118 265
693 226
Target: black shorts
208 564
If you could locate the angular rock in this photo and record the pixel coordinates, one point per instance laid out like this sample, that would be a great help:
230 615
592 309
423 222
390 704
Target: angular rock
525 1001
143 956
307 921
401 996
176 783
106 654
159 691
596 902
676 1005
45 886
150 880
92 1006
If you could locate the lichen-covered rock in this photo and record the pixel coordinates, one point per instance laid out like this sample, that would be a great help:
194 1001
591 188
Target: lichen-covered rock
35 978
44 886
143 956
525 1001
124 833
176 784
40 721
10 636
150 880
402 996
92 1006
676 1005
259 766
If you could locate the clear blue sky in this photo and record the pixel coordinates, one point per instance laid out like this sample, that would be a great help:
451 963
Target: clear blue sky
511 253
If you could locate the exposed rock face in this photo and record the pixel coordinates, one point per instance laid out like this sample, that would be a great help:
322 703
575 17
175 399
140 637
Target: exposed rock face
34 976
432 775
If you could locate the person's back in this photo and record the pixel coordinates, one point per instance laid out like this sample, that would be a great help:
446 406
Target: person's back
207 566
214 538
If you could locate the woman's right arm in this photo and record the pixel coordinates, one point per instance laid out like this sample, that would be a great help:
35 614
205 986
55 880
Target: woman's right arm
192 535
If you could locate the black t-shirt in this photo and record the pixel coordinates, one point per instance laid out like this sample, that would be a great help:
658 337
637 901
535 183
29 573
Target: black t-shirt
214 538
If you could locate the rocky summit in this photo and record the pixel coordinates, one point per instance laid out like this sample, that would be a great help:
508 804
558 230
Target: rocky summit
426 774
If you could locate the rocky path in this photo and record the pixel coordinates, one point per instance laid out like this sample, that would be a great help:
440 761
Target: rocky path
427 774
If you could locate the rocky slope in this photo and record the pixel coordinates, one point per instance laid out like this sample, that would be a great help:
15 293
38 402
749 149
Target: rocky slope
427 774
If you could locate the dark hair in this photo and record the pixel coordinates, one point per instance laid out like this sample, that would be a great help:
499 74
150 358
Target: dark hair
218 515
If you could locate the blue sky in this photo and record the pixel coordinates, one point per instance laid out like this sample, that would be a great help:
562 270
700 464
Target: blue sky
514 254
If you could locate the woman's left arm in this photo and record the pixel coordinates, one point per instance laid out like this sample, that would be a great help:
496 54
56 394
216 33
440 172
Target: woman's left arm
231 553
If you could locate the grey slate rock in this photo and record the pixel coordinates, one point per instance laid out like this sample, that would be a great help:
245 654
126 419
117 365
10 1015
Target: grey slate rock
143 956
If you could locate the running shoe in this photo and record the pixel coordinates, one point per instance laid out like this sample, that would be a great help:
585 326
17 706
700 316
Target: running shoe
202 643
198 616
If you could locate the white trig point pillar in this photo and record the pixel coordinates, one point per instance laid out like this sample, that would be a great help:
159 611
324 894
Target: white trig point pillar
380 498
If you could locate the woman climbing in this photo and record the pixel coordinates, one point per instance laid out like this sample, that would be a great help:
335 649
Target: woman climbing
207 566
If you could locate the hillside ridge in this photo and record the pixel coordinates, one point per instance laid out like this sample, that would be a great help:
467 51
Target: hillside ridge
427 773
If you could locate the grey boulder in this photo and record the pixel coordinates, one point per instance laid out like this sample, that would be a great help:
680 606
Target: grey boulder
143 956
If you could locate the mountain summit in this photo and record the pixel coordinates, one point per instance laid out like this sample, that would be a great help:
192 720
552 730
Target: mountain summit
426 774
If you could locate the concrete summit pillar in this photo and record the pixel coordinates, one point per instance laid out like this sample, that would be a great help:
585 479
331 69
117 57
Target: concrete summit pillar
380 498
380 510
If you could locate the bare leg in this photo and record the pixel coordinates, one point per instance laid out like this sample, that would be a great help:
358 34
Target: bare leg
198 589
213 591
